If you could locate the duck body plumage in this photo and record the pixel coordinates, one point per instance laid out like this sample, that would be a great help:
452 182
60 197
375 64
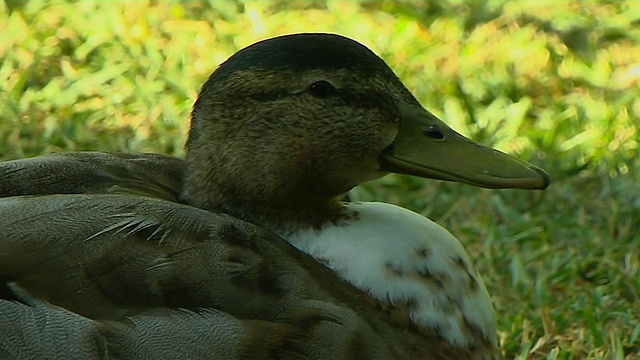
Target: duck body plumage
138 257
402 258
243 249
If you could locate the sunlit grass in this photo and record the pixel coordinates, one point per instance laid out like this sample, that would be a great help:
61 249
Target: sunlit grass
555 82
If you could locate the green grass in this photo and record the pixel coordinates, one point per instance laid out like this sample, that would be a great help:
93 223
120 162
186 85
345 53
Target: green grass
554 82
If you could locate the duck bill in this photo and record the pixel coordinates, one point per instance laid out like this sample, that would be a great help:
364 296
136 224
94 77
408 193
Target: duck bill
426 147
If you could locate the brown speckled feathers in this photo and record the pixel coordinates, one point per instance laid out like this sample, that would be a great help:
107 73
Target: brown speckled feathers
130 272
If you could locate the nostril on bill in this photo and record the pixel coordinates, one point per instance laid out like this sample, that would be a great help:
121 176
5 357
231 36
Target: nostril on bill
433 132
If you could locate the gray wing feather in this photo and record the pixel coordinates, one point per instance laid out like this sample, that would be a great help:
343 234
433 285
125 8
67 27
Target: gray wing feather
146 174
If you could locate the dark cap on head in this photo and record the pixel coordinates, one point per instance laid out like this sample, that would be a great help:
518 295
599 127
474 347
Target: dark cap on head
299 52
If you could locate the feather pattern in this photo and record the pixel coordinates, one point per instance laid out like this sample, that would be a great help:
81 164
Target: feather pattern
88 172
183 257
407 260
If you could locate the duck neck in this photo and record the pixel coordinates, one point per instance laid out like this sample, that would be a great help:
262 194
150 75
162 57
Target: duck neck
282 208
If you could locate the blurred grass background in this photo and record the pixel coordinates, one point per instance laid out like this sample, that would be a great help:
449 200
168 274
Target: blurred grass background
554 82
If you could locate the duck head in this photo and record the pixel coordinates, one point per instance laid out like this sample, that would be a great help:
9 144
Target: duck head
287 125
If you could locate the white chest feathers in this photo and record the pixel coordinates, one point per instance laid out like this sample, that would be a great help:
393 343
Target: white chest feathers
401 257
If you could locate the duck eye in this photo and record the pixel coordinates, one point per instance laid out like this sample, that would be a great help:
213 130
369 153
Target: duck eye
322 89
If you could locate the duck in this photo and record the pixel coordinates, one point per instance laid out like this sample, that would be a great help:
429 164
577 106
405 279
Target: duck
245 248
